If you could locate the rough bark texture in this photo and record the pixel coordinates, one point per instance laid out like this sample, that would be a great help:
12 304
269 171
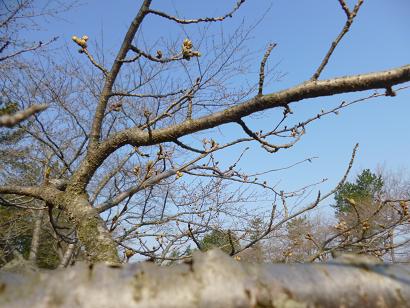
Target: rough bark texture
12 120
212 280
91 230
67 256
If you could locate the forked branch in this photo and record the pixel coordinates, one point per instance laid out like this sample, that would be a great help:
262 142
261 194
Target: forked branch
349 21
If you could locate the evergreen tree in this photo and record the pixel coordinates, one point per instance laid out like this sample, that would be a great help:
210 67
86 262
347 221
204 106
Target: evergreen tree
361 214
220 239
17 224
367 187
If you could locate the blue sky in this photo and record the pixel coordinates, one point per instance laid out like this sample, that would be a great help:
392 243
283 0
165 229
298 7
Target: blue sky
303 30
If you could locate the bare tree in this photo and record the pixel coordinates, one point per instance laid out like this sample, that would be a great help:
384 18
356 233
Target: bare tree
132 135
17 17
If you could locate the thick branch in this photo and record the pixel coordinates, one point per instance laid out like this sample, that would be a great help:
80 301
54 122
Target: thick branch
113 73
309 89
91 230
67 255
45 192
35 241
12 120
214 280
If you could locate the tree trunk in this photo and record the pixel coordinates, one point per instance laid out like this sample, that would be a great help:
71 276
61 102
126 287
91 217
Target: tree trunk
212 280
35 241
91 231
392 250
67 256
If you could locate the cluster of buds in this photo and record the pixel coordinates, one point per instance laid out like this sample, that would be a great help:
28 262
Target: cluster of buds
287 253
309 237
137 170
82 42
129 253
179 174
351 201
405 208
187 44
187 51
237 258
147 113
116 106
341 226
365 225
378 253
150 164
160 238
211 142
150 168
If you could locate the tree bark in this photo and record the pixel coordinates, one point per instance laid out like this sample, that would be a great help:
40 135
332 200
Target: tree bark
91 230
67 256
212 280
35 241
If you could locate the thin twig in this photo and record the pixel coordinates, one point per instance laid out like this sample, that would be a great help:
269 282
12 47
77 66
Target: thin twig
19 52
198 20
345 29
92 60
262 67
345 8
191 234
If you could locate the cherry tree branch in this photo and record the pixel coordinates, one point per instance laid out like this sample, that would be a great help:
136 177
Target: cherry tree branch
346 28
262 67
198 20
311 89
12 120
113 73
